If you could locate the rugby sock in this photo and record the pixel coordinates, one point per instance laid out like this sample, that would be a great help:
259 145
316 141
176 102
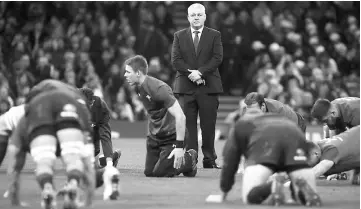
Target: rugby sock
44 178
3 147
74 174
293 194
99 178
259 193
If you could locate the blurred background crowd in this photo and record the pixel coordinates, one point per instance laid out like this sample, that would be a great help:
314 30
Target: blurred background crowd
294 52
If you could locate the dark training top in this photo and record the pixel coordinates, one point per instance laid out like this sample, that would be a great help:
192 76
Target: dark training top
48 85
349 108
240 142
343 150
157 97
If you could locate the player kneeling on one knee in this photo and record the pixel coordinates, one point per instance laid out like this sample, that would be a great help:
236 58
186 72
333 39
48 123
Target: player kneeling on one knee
270 144
167 124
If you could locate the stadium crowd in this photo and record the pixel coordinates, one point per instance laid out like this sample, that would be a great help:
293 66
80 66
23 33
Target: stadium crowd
294 52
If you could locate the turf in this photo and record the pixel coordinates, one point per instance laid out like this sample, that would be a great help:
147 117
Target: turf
180 192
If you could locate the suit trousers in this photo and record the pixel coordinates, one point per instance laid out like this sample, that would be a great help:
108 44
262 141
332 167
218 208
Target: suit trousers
206 105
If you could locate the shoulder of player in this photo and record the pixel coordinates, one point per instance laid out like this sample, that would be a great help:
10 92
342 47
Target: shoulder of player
153 85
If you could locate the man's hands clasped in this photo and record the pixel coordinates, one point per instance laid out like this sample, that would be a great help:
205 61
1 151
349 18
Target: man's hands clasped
178 154
195 77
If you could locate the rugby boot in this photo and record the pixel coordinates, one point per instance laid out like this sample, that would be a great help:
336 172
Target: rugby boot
277 190
116 156
111 183
193 155
71 195
48 197
306 194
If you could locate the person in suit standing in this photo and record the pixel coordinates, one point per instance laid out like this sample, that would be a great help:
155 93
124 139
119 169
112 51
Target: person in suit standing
197 52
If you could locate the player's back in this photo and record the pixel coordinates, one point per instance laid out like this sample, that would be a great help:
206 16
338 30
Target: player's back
48 85
349 109
268 126
274 106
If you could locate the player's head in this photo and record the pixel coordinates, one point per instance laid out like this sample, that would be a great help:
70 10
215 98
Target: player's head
251 113
135 69
196 15
89 95
314 153
325 112
255 100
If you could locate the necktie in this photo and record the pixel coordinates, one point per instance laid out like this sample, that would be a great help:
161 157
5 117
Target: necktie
196 40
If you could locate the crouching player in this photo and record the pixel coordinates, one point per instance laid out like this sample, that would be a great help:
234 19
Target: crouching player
56 118
338 115
271 144
165 155
337 154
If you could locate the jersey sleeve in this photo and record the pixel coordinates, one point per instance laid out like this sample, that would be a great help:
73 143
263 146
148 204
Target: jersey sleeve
330 153
165 96
234 148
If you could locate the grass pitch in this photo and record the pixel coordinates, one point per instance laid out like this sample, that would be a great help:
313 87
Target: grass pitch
180 192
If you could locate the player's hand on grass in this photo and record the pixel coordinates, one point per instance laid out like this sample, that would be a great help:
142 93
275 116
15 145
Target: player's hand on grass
178 154
217 198
332 177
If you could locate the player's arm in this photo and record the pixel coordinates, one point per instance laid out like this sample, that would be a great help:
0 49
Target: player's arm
326 131
232 152
180 120
105 132
322 167
165 96
17 158
328 160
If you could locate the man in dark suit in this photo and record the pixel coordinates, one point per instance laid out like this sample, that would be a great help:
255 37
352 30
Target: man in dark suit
196 54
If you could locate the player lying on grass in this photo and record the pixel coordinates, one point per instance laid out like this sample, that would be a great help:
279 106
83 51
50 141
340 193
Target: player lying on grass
165 155
338 115
337 154
270 144
57 120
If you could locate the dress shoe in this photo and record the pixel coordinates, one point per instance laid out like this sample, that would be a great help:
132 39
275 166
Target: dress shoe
211 165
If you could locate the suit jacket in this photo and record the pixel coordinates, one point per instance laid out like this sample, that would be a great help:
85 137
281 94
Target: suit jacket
207 59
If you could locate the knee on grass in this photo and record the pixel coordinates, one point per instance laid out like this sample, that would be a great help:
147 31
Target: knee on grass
258 194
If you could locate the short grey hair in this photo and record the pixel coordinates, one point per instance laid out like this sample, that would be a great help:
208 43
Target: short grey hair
197 6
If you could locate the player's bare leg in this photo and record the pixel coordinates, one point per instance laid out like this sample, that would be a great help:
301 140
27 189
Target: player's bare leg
43 149
71 143
255 188
303 183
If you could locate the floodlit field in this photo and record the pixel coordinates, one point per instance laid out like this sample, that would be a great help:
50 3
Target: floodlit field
180 192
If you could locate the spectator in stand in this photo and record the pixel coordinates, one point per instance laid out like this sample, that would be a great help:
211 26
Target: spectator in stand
122 110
